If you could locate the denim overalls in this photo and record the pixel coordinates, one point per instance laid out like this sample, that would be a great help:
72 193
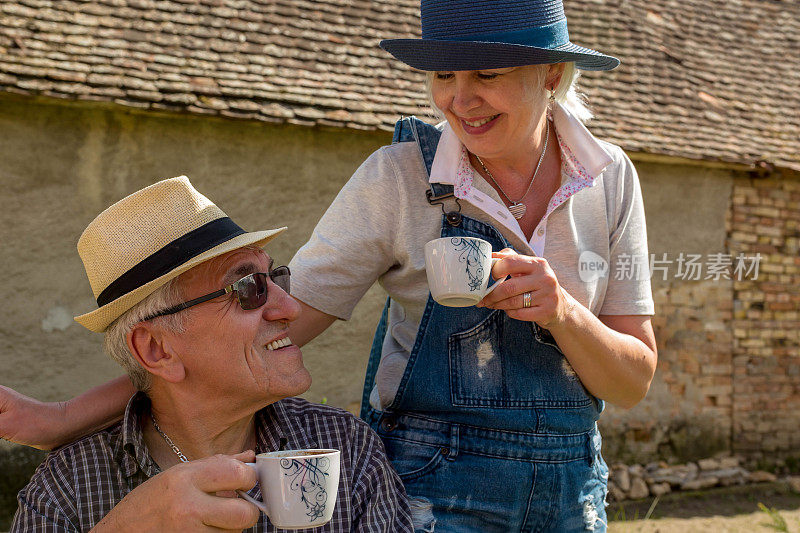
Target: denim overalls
490 424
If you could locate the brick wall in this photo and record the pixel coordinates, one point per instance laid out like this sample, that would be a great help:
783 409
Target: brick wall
765 219
728 377
688 411
693 326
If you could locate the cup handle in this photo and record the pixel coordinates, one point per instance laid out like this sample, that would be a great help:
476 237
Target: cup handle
496 283
244 495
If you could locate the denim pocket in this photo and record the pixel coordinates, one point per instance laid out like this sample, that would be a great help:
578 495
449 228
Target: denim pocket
500 363
412 460
544 337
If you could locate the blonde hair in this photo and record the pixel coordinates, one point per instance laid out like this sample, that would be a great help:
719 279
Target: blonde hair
116 336
566 92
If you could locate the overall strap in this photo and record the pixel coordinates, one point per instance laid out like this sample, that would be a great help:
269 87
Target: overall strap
426 137
412 129
374 360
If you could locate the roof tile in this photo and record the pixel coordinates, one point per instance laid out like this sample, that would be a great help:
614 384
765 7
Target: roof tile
691 83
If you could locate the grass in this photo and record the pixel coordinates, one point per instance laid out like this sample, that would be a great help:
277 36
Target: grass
778 523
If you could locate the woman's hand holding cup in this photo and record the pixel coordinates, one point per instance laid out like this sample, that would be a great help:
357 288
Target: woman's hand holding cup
548 303
458 270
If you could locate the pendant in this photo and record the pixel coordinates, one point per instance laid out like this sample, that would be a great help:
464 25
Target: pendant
517 209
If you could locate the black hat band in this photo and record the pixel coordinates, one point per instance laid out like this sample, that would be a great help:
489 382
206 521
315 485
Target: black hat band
171 256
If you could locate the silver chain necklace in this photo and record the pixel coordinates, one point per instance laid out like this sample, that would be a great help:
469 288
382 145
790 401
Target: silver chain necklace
172 445
518 208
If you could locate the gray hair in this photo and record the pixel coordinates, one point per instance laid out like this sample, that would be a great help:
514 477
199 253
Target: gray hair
116 336
566 92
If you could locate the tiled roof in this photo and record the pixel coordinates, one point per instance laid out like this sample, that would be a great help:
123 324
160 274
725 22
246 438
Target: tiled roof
701 79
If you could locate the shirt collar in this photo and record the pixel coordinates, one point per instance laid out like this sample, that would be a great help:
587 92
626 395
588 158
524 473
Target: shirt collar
275 428
134 454
580 143
583 155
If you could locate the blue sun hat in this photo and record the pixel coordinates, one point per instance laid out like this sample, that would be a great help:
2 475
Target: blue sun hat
487 34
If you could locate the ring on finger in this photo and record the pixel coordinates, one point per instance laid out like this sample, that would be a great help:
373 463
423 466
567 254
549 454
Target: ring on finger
526 299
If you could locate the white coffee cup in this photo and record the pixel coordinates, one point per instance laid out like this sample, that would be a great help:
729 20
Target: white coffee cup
298 486
459 269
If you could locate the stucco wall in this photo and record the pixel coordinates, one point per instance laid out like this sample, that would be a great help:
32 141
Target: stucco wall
60 165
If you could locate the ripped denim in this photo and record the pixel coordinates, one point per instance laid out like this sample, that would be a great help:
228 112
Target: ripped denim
490 425
464 480
422 515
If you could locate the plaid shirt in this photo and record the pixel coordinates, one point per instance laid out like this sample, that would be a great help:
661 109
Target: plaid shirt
77 485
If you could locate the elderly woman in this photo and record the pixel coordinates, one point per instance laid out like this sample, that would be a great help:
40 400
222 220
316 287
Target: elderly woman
489 413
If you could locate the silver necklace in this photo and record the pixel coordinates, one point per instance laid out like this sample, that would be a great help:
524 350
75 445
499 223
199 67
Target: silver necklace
517 208
172 445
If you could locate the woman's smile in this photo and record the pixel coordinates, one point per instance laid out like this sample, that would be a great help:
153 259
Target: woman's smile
477 126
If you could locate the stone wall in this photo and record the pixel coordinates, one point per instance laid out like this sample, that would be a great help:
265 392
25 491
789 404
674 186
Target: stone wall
728 378
687 413
765 219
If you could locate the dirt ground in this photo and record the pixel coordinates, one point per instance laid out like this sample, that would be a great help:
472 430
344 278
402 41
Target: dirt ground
728 510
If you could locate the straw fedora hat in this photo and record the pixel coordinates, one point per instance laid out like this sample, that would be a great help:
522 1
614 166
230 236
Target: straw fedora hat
488 34
150 237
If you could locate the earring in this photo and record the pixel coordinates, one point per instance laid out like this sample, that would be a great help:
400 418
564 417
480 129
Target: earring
551 104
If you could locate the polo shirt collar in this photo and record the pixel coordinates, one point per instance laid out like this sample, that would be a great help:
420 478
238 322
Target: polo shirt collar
584 147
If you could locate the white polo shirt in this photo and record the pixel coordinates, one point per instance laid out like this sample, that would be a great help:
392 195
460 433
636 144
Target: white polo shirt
593 235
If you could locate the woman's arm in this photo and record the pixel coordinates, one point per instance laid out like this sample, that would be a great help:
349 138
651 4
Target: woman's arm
48 425
309 324
614 356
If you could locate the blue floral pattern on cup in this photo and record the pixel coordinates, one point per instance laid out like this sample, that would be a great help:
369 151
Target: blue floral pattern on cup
473 256
308 477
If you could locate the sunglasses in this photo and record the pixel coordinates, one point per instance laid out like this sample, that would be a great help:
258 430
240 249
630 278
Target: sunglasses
251 291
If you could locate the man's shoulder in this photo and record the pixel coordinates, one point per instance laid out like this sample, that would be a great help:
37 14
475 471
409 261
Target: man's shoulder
59 463
76 485
107 437
61 484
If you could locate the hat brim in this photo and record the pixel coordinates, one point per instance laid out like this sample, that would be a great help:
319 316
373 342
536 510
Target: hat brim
99 319
435 55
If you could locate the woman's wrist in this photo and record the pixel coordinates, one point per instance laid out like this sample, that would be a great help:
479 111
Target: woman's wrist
71 425
566 313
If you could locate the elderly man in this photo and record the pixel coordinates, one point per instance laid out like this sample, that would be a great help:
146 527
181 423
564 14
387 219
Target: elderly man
197 314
